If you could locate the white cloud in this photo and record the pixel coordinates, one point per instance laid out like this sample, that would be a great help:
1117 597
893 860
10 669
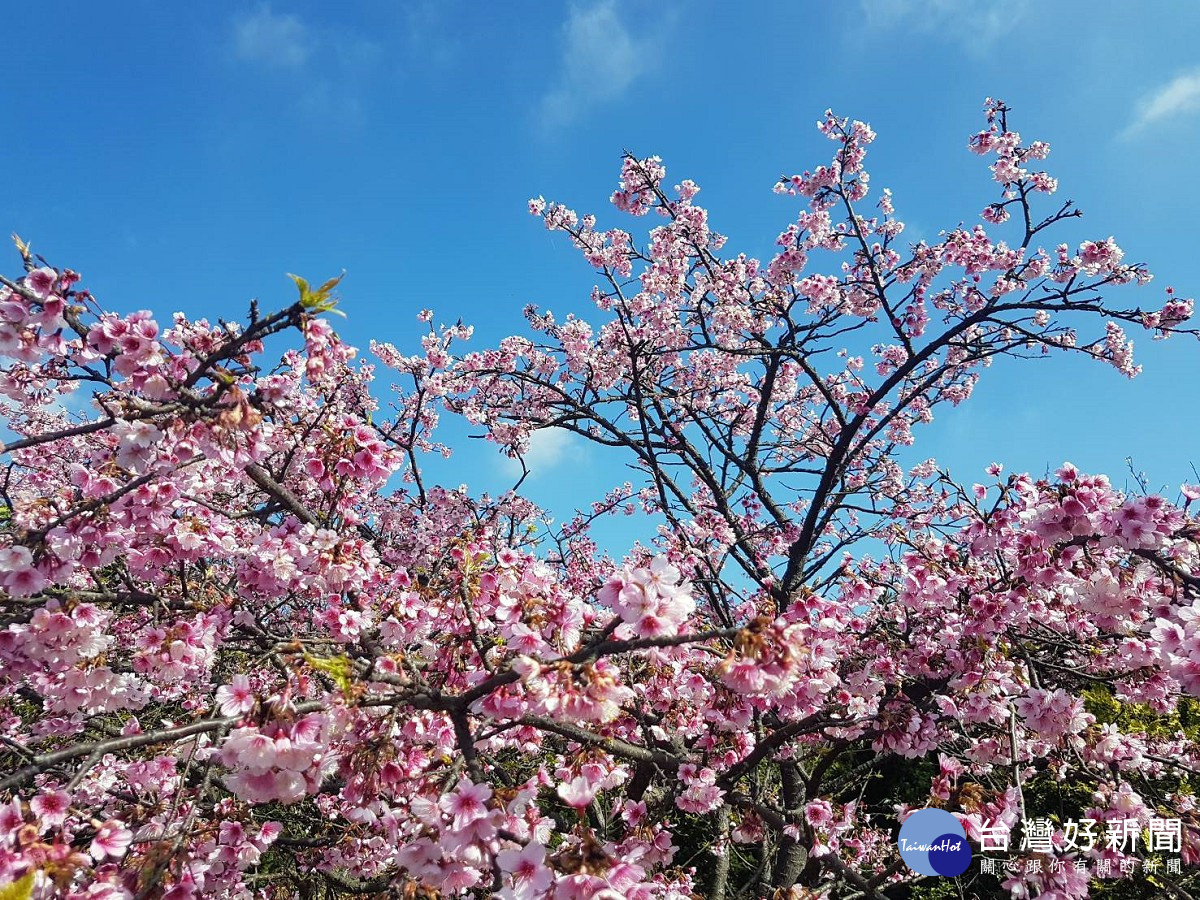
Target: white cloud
430 34
1180 95
600 61
548 448
292 47
278 40
322 100
974 24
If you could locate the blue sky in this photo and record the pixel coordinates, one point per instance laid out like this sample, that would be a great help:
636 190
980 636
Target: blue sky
188 156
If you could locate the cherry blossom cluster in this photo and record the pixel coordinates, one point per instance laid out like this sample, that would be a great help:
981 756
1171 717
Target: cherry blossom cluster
247 649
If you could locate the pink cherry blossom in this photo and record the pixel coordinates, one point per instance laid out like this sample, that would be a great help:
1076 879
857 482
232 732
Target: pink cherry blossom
531 876
112 840
236 698
578 792
245 630
51 807
467 804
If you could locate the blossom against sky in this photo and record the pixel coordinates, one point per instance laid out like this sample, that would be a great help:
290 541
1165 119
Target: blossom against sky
187 158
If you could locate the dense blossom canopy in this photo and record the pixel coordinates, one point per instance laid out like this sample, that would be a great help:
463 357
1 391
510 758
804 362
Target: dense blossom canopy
247 650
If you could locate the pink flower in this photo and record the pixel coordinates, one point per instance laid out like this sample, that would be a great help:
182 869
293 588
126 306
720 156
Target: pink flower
700 798
268 833
51 807
11 816
250 749
41 281
113 839
578 792
236 698
18 573
1052 714
530 874
269 785
1098 257
743 676
610 593
819 813
467 804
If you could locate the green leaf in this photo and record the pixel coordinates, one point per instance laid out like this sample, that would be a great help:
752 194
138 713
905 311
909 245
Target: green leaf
18 890
322 298
331 284
301 284
22 246
340 669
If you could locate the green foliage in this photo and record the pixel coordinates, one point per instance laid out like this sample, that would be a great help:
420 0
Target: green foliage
1134 718
941 889
340 670
22 889
321 299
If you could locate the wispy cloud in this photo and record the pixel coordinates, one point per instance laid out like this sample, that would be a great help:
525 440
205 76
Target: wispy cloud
277 40
600 60
548 448
976 25
291 48
430 33
1179 96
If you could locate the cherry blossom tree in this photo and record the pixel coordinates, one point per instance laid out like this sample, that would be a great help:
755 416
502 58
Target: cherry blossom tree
247 649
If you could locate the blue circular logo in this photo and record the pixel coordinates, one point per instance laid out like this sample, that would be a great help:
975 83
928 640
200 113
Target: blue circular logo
932 842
